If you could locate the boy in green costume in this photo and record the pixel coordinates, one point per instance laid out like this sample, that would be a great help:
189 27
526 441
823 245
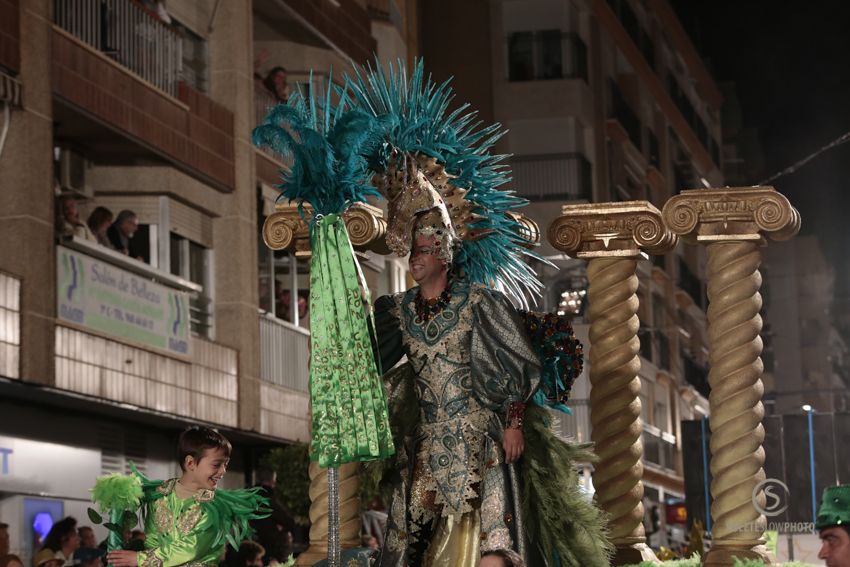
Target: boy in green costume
188 521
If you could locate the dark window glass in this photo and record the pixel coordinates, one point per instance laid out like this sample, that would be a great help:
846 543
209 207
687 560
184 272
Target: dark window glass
521 56
549 54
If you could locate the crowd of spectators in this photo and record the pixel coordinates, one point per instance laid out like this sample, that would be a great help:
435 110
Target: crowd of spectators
102 227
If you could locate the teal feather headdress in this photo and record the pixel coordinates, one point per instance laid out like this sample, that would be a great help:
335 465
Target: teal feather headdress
454 152
328 143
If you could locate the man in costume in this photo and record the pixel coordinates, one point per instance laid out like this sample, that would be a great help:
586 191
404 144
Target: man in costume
833 525
476 467
474 452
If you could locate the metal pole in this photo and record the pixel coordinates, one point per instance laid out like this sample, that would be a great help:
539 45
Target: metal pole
705 475
334 550
812 466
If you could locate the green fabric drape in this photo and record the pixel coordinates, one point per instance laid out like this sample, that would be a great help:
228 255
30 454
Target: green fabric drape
349 407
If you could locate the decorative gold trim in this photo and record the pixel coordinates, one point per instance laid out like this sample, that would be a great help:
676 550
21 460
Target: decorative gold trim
149 558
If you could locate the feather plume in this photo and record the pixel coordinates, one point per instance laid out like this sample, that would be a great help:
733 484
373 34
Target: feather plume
415 118
327 143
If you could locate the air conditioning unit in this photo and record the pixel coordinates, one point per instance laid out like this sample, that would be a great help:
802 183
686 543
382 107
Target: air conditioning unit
73 173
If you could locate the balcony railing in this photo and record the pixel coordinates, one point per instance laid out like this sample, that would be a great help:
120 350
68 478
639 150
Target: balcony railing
128 33
284 354
553 177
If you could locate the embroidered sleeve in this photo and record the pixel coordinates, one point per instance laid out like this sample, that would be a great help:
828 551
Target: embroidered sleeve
505 367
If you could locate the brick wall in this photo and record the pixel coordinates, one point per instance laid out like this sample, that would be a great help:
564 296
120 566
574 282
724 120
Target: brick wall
10 35
198 139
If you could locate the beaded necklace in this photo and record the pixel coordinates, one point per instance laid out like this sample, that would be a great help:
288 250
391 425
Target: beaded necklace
427 309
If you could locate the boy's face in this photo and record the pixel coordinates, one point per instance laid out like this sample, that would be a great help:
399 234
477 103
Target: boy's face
209 469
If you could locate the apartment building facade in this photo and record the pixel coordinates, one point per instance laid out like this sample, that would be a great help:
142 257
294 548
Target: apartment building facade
125 105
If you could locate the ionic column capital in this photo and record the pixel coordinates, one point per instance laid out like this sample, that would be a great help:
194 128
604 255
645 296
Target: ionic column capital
731 214
598 230
286 229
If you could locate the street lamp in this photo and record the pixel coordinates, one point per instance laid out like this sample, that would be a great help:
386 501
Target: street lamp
809 412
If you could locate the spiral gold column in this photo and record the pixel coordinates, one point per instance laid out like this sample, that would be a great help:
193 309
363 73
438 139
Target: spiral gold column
611 237
731 223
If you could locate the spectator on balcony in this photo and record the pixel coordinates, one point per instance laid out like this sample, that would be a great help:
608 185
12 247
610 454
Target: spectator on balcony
99 221
68 222
276 83
121 233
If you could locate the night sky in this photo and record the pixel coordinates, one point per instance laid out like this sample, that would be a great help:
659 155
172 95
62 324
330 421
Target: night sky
791 64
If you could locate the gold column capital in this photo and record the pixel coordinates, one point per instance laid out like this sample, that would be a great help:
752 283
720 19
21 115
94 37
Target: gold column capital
286 229
731 214
599 230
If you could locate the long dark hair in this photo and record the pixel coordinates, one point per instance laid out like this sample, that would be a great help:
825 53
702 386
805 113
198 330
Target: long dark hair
59 532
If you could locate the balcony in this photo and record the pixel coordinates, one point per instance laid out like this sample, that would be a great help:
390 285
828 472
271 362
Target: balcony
123 334
284 372
119 94
128 33
342 26
550 177
284 354
10 326
659 448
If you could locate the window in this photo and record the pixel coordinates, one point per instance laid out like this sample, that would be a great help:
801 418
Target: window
189 260
521 56
549 54
194 66
546 54
281 276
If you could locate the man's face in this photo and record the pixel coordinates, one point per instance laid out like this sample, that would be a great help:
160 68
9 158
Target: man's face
129 226
835 547
424 262
4 541
257 561
69 210
87 538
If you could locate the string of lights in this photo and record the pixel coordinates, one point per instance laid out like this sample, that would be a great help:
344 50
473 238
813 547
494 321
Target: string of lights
792 168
